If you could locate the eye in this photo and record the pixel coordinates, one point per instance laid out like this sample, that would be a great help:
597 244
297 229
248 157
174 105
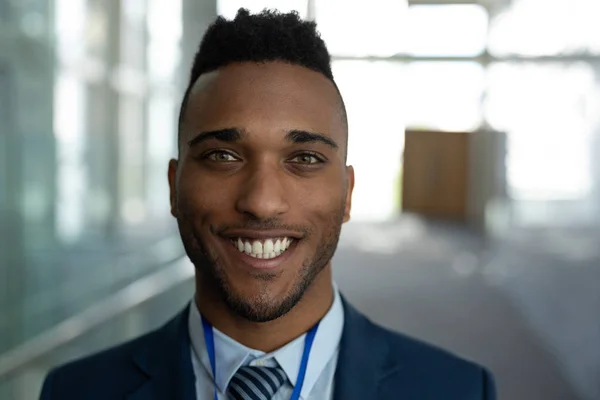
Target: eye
220 156
306 158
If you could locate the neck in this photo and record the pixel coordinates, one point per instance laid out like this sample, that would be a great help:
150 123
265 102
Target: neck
271 335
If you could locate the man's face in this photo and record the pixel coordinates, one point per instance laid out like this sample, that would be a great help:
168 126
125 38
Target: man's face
261 188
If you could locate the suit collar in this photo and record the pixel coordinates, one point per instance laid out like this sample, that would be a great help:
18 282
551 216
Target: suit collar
364 359
166 360
232 355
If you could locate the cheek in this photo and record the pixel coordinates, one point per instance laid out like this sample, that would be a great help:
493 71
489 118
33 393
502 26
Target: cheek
323 204
202 195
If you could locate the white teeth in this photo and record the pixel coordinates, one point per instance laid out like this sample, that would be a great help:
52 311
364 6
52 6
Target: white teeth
267 249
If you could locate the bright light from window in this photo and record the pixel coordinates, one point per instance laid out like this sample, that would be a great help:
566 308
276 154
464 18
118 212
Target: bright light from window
447 30
545 109
372 92
161 135
229 8
133 10
444 95
357 28
165 30
68 109
546 27
69 117
164 19
70 18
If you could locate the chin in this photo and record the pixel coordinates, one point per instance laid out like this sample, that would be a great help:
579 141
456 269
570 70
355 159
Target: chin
262 301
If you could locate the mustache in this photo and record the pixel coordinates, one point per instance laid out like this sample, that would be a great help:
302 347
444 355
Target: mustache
262 225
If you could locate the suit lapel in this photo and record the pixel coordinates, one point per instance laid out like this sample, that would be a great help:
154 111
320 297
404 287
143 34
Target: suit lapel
166 360
363 359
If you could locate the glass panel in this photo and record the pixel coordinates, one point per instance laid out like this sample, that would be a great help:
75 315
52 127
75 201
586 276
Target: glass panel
69 124
229 8
7 125
373 95
549 112
444 95
162 137
546 27
72 158
447 30
132 34
99 204
4 11
97 29
373 28
164 31
131 166
70 29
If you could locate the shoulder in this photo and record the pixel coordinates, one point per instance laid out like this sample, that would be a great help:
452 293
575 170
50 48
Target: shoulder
420 353
121 369
397 363
106 374
441 370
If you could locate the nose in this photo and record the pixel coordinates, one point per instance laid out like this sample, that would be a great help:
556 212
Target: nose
262 194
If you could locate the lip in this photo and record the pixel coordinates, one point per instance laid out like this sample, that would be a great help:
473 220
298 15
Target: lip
255 234
258 264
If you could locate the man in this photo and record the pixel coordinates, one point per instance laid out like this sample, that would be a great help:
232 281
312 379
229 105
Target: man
260 191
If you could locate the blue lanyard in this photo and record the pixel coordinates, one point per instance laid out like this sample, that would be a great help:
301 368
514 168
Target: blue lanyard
308 342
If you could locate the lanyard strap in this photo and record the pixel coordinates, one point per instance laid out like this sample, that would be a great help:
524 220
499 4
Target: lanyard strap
308 342
210 349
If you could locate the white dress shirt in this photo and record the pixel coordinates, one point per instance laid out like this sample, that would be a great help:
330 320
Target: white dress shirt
231 355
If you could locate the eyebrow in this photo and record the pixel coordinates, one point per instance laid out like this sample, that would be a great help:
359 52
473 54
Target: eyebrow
298 136
223 135
234 135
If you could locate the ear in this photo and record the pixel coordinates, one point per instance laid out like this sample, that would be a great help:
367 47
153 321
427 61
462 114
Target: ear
349 189
173 186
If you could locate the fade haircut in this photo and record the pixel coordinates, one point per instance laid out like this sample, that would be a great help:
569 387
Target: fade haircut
264 37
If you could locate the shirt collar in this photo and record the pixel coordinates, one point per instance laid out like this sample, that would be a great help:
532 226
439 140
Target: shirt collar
232 355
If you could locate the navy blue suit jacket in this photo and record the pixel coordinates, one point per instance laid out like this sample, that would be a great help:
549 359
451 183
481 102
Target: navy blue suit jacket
373 363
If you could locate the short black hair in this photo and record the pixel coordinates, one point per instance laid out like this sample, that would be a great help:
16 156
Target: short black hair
264 37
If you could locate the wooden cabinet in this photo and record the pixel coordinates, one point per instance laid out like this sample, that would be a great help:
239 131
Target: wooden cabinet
436 174
454 175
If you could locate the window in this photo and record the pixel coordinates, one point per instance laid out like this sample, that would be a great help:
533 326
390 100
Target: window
358 29
543 27
69 120
400 89
373 93
458 30
229 8
549 111
444 95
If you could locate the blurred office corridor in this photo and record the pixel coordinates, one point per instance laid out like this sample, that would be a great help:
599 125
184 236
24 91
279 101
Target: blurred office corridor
509 276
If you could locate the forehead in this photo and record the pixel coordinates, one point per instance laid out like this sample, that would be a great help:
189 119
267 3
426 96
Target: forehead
270 96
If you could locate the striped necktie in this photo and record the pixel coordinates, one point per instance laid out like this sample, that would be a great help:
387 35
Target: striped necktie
255 383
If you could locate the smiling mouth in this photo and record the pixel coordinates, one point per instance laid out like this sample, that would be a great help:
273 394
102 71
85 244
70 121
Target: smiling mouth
265 249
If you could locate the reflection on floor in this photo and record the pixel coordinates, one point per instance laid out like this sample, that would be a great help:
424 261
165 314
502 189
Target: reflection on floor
526 305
